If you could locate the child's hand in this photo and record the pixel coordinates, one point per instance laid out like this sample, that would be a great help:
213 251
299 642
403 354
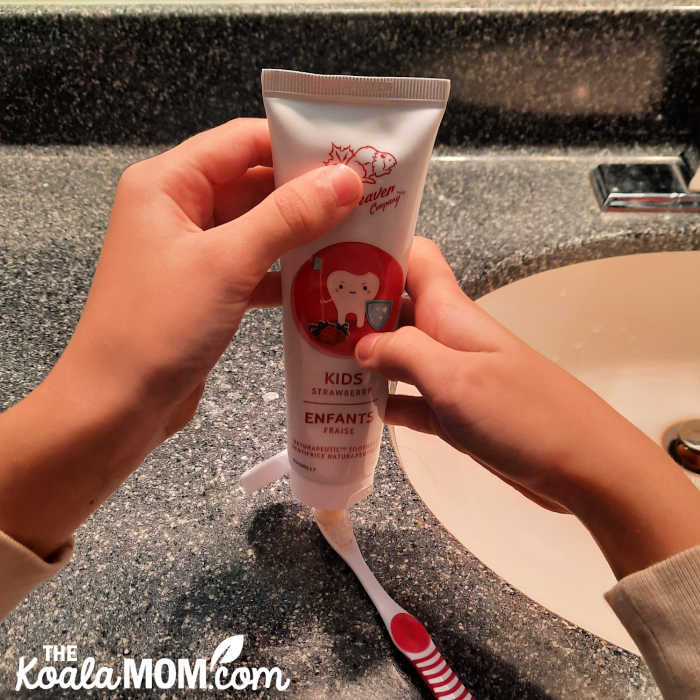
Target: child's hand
538 428
192 234
484 391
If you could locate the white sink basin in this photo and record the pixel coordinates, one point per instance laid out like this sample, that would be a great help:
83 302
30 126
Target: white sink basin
629 327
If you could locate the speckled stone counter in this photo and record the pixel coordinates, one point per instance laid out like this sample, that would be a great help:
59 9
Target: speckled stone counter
177 560
553 72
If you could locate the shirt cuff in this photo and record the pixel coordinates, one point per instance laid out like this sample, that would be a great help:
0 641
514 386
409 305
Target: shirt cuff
21 570
660 607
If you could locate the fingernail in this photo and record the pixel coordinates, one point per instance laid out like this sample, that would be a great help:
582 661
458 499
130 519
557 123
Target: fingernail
365 346
345 183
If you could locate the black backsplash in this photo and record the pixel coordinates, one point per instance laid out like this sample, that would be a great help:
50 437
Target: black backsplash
564 78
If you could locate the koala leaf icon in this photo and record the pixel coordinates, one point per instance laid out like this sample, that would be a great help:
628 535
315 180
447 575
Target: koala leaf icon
229 650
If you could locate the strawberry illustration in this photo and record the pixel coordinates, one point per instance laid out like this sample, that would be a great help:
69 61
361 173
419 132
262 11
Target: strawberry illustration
329 332
331 335
368 162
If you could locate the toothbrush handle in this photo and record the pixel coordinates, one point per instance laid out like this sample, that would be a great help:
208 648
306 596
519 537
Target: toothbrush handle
441 679
413 640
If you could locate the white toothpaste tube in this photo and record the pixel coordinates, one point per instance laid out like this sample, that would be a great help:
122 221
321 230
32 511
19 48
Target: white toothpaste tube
349 283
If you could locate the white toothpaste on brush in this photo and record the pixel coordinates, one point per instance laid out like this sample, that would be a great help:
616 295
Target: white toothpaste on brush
348 283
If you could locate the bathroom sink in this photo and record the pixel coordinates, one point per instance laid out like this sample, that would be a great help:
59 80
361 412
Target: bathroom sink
628 327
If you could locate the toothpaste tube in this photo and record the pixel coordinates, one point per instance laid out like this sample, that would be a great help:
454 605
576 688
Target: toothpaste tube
349 283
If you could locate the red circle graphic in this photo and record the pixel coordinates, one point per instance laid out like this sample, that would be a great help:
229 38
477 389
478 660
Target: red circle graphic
344 292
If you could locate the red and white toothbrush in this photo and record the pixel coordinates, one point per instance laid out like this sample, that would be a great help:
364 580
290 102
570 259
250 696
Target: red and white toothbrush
408 634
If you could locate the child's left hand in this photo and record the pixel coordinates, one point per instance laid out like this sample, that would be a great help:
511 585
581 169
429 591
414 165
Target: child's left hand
192 234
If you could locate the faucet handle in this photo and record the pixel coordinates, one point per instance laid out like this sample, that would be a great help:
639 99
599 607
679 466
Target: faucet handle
690 159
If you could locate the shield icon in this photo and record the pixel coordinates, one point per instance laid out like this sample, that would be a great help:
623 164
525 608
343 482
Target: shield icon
378 312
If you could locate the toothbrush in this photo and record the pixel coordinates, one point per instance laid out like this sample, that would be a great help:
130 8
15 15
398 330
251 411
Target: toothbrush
407 633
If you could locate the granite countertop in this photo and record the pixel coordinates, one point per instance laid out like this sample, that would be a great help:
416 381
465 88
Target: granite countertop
178 559
555 72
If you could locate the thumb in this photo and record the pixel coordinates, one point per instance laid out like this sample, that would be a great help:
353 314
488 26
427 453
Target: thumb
295 213
409 355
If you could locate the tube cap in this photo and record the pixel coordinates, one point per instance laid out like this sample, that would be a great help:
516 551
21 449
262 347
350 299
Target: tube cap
265 473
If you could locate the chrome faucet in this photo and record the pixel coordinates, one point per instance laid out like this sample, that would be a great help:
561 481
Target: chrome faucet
672 186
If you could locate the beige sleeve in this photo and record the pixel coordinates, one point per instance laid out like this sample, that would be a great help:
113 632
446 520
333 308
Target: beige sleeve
660 607
21 570
695 182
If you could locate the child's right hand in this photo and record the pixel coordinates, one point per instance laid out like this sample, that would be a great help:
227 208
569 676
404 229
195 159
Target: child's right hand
517 413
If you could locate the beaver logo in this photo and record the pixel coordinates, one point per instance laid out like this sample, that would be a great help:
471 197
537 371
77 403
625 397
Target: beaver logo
368 162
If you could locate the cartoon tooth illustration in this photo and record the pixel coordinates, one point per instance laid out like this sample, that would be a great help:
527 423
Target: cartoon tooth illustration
350 293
